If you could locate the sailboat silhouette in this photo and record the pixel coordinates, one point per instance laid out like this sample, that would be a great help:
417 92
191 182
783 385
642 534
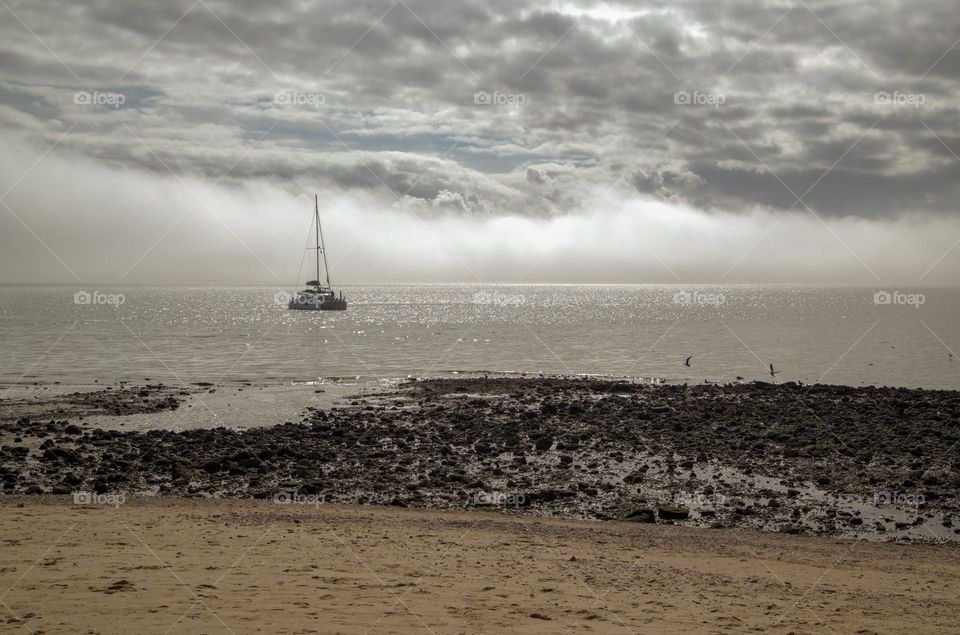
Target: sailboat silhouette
318 296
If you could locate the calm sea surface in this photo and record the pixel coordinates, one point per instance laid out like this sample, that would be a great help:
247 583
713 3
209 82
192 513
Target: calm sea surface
829 334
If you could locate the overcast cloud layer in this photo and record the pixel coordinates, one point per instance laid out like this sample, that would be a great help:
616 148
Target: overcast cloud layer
556 141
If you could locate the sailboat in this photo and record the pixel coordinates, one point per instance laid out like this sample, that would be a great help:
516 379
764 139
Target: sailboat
317 296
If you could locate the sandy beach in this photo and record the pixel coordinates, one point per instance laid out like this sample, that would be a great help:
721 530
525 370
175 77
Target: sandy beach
205 566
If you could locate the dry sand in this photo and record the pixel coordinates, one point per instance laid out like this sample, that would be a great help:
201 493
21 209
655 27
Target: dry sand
202 566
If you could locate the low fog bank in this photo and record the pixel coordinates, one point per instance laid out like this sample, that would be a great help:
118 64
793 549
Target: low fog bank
73 220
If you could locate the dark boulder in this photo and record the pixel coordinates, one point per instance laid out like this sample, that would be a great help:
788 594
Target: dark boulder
641 516
543 444
672 512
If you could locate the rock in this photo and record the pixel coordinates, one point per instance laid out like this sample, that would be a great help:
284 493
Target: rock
672 512
242 455
180 472
73 429
548 495
543 444
641 516
60 455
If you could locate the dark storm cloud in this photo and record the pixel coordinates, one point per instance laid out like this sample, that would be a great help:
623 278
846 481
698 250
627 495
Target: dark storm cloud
507 107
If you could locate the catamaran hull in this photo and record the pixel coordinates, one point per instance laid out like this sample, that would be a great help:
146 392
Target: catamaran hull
326 305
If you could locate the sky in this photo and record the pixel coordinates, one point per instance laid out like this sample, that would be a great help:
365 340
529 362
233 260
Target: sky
182 142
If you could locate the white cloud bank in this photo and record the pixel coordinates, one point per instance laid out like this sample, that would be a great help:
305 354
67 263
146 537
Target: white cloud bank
113 225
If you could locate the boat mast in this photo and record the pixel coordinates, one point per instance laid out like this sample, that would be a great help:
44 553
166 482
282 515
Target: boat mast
316 220
320 245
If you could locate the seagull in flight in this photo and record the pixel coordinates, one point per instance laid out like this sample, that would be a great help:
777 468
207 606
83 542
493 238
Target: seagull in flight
773 373
687 361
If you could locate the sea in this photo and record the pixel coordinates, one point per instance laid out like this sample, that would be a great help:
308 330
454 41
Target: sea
808 333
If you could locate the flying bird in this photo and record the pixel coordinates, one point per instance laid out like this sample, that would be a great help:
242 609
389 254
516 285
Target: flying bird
687 361
773 373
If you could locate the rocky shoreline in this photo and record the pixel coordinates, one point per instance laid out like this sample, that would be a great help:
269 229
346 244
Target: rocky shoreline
860 462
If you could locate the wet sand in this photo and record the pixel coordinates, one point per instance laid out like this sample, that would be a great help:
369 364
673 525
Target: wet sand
210 566
145 406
